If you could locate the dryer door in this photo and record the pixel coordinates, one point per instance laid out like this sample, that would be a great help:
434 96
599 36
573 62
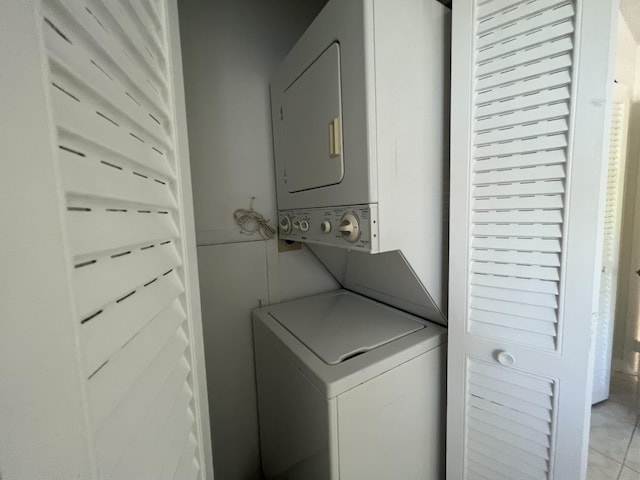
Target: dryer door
311 115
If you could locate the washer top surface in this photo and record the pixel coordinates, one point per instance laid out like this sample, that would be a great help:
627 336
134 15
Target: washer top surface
342 325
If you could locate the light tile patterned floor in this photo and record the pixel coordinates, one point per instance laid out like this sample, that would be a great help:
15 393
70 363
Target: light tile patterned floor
614 443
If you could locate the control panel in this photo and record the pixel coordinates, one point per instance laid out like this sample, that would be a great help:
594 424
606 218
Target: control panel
354 227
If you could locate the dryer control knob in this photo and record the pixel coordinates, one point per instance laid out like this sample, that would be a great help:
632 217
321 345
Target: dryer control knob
285 224
350 228
325 226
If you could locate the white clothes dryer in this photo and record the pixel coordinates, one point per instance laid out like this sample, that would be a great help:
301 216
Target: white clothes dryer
360 129
350 389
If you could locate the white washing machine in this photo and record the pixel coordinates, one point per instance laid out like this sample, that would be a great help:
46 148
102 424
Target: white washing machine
350 389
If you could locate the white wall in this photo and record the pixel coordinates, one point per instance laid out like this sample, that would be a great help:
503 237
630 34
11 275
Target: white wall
229 49
628 73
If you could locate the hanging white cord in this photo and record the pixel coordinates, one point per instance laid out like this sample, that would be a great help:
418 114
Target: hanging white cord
251 222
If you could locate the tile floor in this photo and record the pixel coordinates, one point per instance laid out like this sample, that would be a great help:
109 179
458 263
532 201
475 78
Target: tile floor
614 443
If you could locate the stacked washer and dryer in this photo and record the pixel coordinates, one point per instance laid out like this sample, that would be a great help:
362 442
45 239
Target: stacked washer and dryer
351 383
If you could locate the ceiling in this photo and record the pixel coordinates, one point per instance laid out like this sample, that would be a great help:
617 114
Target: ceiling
631 12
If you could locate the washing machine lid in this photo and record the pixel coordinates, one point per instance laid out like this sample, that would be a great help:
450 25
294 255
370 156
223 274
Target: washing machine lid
340 326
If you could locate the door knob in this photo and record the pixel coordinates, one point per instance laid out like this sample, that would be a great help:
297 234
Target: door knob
638 272
505 358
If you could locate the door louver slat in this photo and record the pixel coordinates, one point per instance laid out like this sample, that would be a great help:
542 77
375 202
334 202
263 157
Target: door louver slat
110 279
518 244
516 284
523 469
533 113
89 123
117 435
526 298
517 441
89 75
527 229
109 384
524 94
476 470
525 72
486 9
525 56
500 411
148 27
174 451
120 21
511 325
521 145
173 392
111 230
525 311
548 127
506 471
119 322
561 10
90 177
509 414
186 459
508 449
529 173
156 16
513 333
90 31
515 11
524 189
513 270
524 203
171 440
144 450
519 155
518 97
523 258
112 103
543 34
518 216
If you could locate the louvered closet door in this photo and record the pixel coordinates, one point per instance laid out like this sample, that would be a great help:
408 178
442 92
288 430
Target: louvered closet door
530 79
115 89
611 243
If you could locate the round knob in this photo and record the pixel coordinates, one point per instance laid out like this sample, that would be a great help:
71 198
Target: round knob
325 226
285 224
505 358
304 225
349 227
